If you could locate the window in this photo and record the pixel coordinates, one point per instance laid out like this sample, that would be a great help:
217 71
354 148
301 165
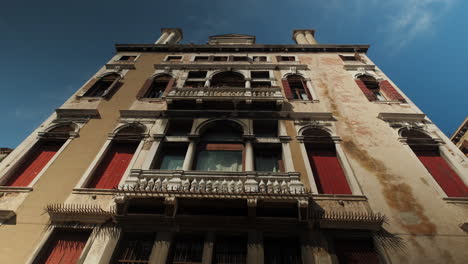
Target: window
230 250
348 58
427 151
326 167
378 91
202 58
240 58
64 246
228 79
134 248
260 74
187 249
286 58
103 85
268 158
220 58
259 58
356 251
179 127
171 156
34 162
295 88
282 251
155 87
195 79
256 84
127 58
196 75
174 58
265 128
221 148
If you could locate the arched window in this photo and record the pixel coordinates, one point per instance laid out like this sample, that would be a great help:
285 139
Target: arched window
295 88
370 88
228 79
221 147
113 165
329 176
428 152
155 87
103 85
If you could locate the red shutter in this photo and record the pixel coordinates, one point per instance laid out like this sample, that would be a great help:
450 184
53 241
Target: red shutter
445 176
169 86
287 89
368 93
65 247
391 92
356 251
304 85
328 173
144 89
33 163
113 165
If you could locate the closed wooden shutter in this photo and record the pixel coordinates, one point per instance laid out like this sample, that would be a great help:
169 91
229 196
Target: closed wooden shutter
391 92
88 86
113 165
328 173
33 163
144 89
65 247
444 175
356 251
287 89
169 86
304 85
366 91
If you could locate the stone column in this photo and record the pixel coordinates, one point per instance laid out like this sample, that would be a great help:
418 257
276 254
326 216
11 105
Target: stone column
208 248
170 39
300 38
161 248
255 247
162 38
188 161
249 156
310 37
207 83
247 83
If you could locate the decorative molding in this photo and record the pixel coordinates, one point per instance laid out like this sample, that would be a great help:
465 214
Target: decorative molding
401 117
78 212
359 67
118 65
76 115
230 66
349 220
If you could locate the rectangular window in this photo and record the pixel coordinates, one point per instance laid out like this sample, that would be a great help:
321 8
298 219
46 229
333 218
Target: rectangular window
202 58
356 251
179 127
268 157
230 250
240 58
441 171
127 58
174 58
171 156
220 58
196 74
265 128
220 157
286 58
194 84
187 249
33 163
134 248
259 58
260 84
348 58
260 74
113 166
64 246
282 251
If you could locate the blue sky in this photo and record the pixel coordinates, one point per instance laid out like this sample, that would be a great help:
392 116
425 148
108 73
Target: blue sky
50 48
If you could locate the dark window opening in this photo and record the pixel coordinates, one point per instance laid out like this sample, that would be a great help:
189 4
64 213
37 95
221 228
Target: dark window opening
196 74
356 251
282 250
260 84
194 84
373 86
240 58
158 86
127 58
187 249
287 58
102 85
228 79
171 156
298 87
260 74
202 58
216 207
348 58
230 250
277 209
146 206
174 58
265 128
259 58
179 127
220 58
268 158
134 248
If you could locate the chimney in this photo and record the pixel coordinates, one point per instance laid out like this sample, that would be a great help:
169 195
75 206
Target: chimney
304 36
170 36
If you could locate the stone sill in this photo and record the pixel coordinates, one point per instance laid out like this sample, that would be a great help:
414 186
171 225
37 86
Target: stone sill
93 191
15 189
304 101
338 197
460 200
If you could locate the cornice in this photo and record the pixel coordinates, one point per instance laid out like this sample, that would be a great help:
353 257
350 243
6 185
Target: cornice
246 66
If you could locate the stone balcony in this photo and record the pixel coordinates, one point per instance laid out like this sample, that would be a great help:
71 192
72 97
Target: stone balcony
226 97
215 182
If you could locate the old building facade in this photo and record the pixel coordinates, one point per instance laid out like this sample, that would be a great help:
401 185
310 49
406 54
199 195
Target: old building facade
235 152
460 137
